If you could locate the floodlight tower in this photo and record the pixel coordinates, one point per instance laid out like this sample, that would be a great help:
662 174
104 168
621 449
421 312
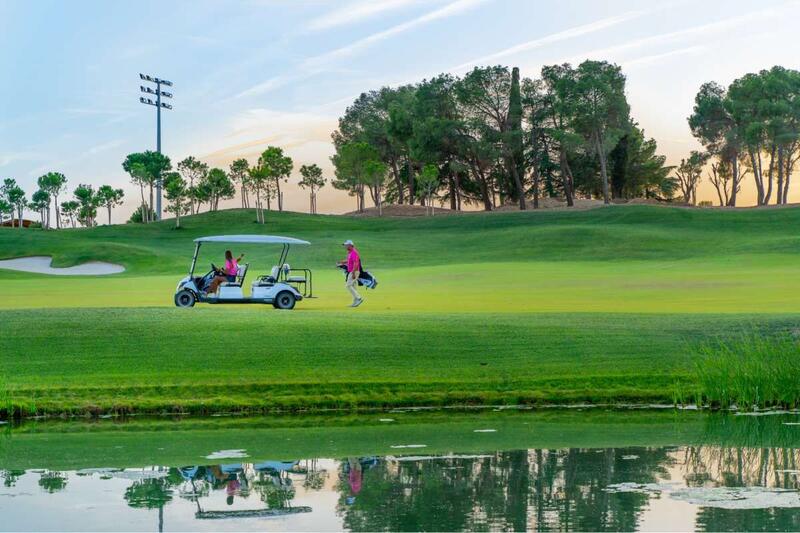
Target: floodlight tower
158 105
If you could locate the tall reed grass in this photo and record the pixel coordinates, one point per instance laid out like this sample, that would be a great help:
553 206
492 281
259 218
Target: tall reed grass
750 371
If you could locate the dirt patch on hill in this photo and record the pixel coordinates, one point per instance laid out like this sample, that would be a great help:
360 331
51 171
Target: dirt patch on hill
401 211
421 211
555 204
545 204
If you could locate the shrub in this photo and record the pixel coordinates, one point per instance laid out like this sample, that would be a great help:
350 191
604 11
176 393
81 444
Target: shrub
136 216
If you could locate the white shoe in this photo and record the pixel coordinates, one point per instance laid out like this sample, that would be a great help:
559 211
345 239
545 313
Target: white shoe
357 302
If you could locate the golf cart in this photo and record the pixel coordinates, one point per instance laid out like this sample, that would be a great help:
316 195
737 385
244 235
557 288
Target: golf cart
282 287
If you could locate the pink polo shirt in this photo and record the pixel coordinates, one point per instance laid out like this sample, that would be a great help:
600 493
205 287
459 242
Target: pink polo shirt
231 267
353 260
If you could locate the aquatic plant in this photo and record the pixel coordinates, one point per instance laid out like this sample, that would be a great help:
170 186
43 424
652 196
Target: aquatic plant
6 404
750 371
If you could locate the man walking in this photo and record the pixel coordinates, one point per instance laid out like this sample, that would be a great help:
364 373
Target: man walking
353 264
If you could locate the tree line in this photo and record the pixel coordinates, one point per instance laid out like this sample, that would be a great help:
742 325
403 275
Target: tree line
186 190
490 138
751 128
82 208
194 185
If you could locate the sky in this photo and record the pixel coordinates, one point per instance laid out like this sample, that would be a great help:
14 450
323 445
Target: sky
251 73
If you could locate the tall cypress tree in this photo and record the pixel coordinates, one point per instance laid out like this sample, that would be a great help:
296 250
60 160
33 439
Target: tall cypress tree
516 161
618 161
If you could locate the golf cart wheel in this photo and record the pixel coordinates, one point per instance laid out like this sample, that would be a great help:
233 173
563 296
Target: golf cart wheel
284 300
185 298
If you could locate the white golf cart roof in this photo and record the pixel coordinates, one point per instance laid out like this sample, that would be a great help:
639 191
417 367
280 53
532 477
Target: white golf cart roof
252 239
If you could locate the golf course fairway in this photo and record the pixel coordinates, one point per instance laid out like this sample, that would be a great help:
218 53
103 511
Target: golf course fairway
606 305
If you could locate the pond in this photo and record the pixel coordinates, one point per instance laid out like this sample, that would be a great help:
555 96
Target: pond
406 471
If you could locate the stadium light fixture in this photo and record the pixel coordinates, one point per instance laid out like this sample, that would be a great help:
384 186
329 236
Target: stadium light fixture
158 104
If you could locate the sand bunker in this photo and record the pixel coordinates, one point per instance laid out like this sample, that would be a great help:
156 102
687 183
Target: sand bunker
41 265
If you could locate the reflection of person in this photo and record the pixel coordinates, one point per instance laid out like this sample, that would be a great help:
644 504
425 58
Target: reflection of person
215 475
354 478
231 489
228 273
353 264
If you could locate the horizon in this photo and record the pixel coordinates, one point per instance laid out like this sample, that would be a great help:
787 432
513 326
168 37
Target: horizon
237 89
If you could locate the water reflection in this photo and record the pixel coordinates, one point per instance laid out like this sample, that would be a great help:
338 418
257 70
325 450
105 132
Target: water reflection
565 489
516 490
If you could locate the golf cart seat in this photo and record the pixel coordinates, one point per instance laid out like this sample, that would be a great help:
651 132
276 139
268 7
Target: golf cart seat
239 277
274 274
271 278
300 279
292 279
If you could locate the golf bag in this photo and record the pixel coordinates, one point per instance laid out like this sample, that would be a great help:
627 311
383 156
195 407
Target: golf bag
365 278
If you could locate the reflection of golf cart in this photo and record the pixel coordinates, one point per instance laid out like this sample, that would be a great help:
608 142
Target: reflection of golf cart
282 287
249 513
234 471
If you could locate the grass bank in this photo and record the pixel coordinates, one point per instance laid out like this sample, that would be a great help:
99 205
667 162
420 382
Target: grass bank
140 441
212 360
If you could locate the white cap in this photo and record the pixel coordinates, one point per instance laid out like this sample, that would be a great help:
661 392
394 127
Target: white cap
348 242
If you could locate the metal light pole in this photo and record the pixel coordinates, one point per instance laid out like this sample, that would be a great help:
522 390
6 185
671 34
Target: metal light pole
158 104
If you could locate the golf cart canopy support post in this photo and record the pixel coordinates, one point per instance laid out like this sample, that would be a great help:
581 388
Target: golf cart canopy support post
284 255
194 259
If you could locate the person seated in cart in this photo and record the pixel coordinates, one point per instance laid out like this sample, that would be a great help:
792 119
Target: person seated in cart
228 273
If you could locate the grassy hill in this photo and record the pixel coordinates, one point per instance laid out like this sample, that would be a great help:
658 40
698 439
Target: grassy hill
610 234
599 305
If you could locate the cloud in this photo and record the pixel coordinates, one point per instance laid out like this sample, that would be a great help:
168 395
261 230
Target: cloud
200 40
252 130
656 58
239 149
90 111
78 158
449 10
353 12
617 53
284 124
8 158
110 145
114 115
319 64
570 33
702 30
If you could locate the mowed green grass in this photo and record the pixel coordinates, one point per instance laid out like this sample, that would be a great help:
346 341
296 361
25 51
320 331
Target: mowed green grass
618 259
604 305
761 284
